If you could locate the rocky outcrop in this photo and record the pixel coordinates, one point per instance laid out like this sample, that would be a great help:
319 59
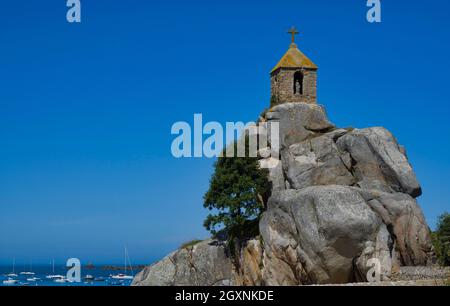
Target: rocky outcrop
403 216
379 161
298 121
316 162
327 234
319 233
207 263
343 204
203 264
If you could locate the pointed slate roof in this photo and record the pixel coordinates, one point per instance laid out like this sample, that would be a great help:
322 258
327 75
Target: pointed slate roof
294 58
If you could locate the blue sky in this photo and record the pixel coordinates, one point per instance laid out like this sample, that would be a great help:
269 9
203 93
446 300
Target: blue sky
86 109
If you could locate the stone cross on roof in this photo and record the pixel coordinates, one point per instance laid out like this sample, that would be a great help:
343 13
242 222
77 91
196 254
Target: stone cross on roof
293 31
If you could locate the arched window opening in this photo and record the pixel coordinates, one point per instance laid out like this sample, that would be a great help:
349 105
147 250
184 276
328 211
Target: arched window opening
298 83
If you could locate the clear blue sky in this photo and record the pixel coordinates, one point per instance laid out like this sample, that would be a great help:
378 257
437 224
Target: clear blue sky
86 109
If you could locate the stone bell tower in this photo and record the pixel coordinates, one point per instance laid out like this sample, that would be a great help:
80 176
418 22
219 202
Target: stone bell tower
294 78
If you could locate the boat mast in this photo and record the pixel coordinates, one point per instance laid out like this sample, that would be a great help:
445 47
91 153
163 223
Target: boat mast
131 266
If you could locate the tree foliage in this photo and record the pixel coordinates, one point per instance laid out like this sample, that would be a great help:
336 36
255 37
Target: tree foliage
441 239
236 196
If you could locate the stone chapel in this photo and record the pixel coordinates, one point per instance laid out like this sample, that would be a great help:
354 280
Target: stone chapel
294 78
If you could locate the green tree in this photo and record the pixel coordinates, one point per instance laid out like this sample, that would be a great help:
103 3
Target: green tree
236 196
441 239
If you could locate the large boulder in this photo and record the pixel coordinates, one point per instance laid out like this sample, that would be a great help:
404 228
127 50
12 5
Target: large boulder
406 222
203 264
315 235
208 263
298 121
276 174
317 161
379 161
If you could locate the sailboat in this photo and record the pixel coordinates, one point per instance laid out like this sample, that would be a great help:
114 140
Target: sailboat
32 277
124 276
13 273
59 279
28 272
10 281
54 276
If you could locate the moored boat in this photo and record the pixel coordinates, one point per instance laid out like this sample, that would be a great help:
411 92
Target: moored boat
124 276
13 273
59 279
10 281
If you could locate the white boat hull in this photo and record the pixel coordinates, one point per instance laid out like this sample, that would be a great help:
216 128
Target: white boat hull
122 277
10 282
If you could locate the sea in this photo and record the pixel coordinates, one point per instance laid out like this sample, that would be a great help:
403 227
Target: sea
101 273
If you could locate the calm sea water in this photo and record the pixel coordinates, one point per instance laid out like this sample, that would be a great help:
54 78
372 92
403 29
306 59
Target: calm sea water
41 271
